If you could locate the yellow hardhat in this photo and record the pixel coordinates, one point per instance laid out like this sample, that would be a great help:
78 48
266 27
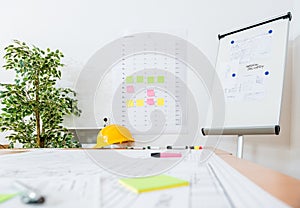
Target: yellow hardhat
113 134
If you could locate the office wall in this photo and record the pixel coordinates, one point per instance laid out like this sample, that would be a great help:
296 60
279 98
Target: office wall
295 116
295 119
79 28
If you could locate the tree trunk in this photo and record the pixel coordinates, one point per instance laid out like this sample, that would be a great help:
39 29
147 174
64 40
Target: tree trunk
40 141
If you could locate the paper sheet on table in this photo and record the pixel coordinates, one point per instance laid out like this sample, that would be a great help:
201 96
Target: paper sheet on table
70 178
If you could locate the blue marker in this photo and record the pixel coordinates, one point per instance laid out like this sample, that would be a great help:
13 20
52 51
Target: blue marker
270 31
267 73
233 75
232 42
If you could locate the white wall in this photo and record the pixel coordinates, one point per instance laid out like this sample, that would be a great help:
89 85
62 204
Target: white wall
295 120
79 28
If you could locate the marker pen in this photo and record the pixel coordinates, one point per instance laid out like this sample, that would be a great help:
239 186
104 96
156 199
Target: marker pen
153 148
165 154
177 147
136 148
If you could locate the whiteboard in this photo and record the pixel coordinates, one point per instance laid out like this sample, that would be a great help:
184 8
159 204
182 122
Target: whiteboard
250 66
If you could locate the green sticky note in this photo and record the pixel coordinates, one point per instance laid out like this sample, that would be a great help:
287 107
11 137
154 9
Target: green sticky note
129 79
139 79
150 79
160 79
153 183
5 197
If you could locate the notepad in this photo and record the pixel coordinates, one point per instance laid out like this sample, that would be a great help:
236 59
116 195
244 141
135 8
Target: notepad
5 197
153 183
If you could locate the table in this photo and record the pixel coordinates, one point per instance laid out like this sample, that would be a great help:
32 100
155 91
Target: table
281 186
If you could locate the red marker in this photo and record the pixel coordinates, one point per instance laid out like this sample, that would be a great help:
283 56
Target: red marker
165 154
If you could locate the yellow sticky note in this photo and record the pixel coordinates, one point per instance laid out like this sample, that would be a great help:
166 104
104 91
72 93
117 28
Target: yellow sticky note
153 183
160 102
129 103
139 102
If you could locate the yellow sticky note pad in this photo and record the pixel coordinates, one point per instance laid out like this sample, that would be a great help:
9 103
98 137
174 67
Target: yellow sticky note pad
160 102
129 103
139 102
153 183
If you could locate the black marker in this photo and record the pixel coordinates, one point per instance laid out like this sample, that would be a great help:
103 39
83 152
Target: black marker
177 147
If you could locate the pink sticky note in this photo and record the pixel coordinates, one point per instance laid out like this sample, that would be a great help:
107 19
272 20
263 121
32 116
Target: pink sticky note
130 89
150 93
150 101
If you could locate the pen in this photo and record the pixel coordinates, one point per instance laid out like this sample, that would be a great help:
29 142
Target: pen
28 194
165 154
136 148
177 147
153 148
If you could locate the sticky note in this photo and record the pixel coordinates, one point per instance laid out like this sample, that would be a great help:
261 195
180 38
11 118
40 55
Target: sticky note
139 79
160 102
150 101
5 197
150 93
153 183
150 80
139 102
160 79
129 103
129 80
130 89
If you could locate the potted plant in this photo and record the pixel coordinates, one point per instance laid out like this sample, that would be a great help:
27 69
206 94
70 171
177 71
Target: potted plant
33 106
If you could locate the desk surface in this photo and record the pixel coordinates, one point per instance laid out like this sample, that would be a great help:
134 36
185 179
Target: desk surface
283 187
